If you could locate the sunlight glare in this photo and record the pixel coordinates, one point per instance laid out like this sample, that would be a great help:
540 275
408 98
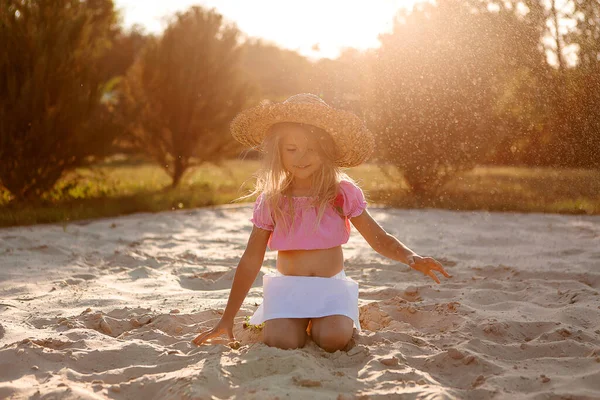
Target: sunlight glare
315 28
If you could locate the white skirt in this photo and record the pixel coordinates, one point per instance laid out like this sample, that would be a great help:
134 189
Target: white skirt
288 296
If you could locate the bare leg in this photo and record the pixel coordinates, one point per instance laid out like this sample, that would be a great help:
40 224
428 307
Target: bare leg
285 333
332 332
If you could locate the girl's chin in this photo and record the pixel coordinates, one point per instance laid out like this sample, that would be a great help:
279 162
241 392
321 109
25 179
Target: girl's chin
303 174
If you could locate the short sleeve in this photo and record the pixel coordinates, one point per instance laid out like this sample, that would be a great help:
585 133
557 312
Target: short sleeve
354 201
261 216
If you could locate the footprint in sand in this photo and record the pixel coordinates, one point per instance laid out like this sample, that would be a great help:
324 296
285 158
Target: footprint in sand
113 323
76 279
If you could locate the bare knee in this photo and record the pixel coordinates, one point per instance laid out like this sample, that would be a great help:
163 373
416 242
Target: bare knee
284 336
331 341
333 332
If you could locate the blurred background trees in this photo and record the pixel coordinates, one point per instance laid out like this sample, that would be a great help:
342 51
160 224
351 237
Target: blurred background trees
274 72
452 86
182 92
444 85
585 137
51 116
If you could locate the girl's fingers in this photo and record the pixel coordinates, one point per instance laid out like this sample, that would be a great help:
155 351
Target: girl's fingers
443 271
204 336
439 267
431 274
199 339
427 265
447 275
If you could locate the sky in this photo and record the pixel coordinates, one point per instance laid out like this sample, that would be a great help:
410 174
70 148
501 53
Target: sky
297 25
314 28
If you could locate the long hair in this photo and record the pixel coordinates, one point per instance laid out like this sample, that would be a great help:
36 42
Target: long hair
274 181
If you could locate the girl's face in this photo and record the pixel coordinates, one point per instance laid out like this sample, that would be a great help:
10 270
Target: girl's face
300 152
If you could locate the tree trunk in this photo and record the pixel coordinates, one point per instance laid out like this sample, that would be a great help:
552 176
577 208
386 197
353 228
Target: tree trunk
559 46
179 169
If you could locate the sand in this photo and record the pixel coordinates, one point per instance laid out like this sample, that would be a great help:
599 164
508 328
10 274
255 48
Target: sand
108 308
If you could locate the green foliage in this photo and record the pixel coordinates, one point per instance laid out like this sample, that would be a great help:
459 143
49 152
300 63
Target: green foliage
585 139
180 96
436 82
557 107
51 118
248 325
456 84
276 73
124 186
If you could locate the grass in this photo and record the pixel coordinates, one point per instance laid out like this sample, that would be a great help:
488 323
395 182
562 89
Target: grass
123 185
546 190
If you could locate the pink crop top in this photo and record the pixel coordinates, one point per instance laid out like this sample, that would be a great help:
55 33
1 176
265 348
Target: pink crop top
333 230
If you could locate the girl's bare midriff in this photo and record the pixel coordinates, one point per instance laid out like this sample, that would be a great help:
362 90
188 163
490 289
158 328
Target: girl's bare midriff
321 262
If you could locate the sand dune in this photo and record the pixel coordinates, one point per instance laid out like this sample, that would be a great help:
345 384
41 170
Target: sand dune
107 309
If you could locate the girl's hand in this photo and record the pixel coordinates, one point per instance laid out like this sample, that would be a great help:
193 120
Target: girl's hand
426 265
223 326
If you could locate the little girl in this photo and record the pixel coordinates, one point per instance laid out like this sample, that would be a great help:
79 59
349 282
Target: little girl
304 209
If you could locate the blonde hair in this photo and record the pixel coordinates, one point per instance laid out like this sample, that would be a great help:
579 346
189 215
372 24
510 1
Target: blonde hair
273 181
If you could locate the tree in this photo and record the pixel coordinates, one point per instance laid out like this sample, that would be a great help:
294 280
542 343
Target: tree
436 84
568 132
126 46
586 104
51 116
181 94
274 72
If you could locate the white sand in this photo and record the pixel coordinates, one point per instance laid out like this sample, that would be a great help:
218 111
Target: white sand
108 308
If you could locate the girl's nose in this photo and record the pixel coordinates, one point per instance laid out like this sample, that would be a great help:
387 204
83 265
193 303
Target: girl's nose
302 154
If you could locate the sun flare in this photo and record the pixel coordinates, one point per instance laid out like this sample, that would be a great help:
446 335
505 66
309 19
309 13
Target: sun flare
314 28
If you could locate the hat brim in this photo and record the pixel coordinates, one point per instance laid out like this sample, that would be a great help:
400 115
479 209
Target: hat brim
354 142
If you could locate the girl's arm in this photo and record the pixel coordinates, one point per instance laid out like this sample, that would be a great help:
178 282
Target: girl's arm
247 270
388 246
245 274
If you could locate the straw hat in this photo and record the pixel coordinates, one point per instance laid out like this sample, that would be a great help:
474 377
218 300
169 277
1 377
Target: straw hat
353 140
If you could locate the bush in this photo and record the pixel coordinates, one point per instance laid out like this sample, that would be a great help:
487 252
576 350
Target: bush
51 116
181 94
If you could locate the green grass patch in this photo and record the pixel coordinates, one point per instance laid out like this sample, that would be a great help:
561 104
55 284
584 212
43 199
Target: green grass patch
546 190
120 186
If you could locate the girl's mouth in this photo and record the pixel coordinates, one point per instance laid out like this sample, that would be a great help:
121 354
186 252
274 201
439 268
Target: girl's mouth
302 166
